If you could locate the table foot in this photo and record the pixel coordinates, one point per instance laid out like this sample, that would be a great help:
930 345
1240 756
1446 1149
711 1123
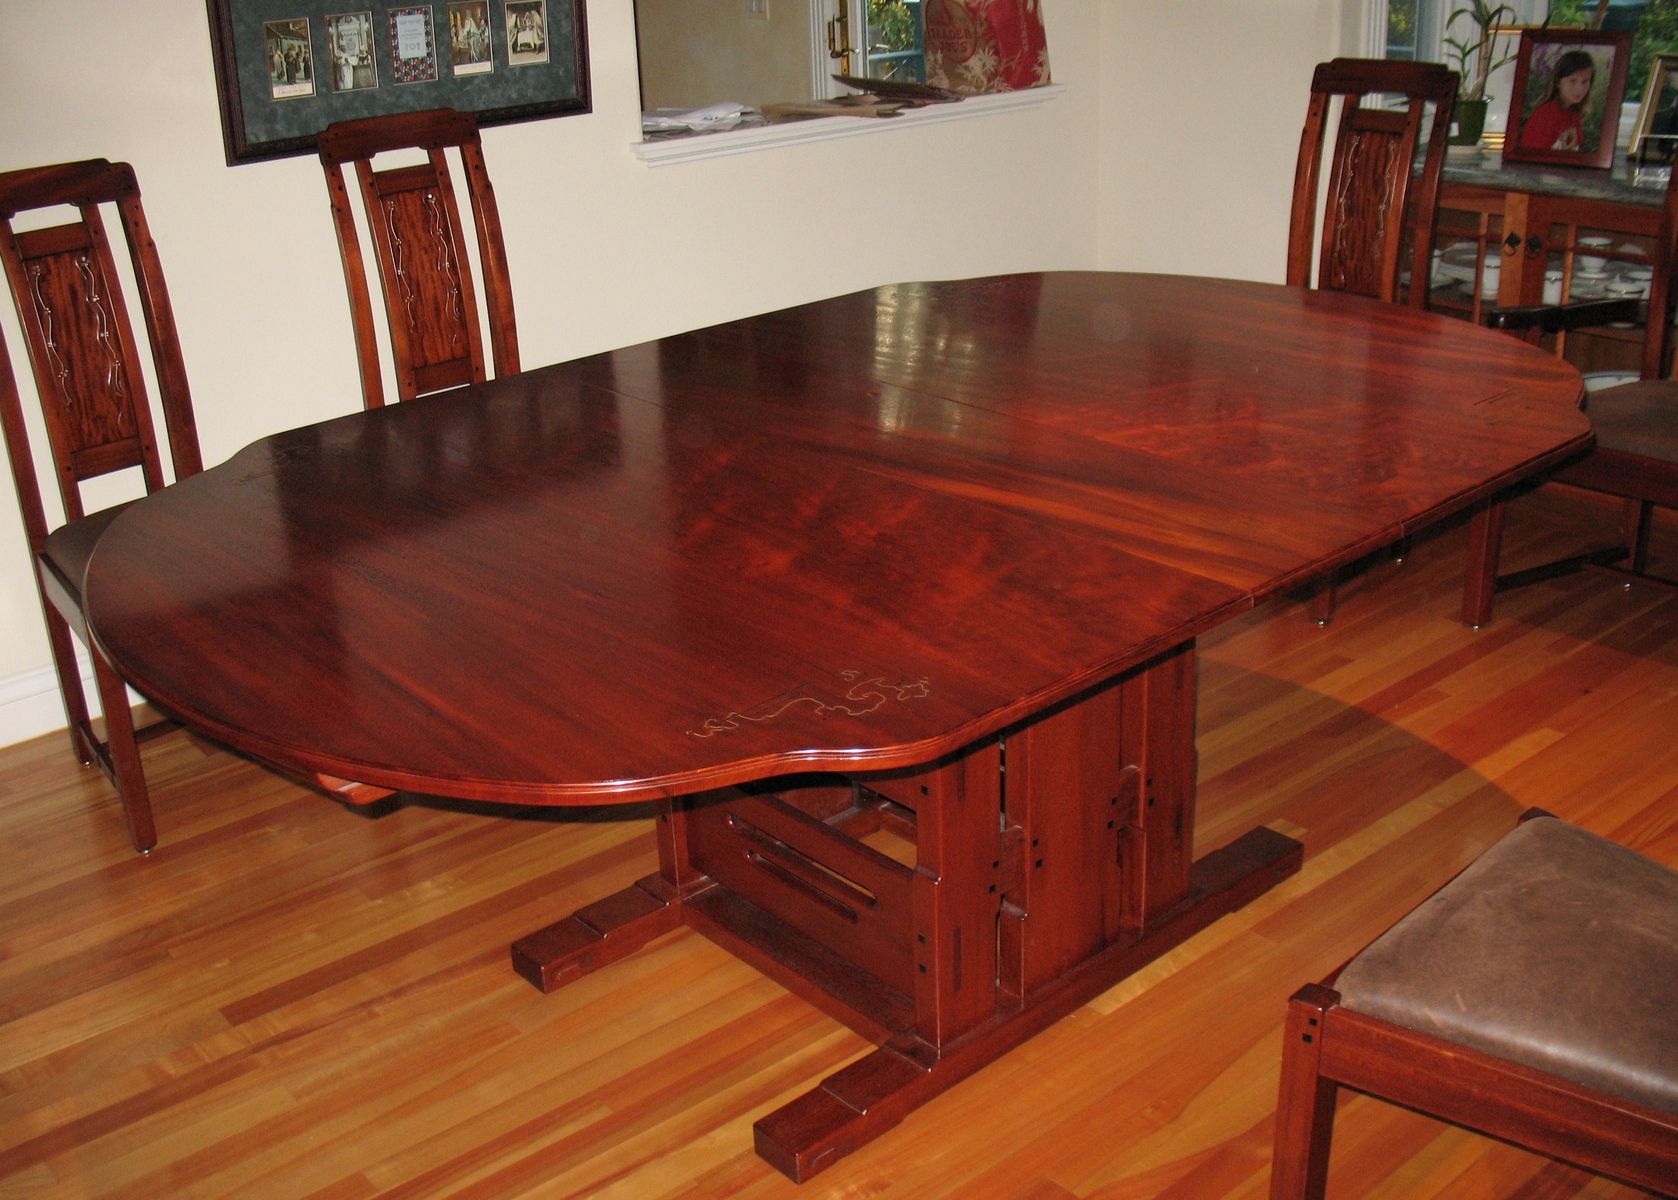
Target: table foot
598 934
860 1101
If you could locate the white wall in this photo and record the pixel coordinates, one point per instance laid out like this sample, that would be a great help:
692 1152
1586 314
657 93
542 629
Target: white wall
605 250
1201 107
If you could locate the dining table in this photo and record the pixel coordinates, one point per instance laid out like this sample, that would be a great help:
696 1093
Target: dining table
885 604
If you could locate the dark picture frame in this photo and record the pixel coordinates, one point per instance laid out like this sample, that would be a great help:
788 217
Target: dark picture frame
1654 139
268 54
1548 123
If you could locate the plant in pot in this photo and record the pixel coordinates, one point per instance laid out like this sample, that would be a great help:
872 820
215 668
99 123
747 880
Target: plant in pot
1477 53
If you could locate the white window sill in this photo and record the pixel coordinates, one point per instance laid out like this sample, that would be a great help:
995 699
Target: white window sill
667 151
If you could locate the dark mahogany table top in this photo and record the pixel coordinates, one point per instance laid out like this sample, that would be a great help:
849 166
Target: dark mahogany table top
858 534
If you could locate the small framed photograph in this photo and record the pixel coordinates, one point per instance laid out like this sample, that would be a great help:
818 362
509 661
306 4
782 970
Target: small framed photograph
349 45
527 32
1655 136
470 49
1565 106
413 46
291 67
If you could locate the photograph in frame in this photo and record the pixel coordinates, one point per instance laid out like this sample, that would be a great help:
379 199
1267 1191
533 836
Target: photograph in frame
1565 105
527 32
1654 140
471 48
349 44
291 67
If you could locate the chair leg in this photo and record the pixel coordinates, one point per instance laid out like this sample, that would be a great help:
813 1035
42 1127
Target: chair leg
1640 520
82 742
129 778
1322 603
1485 543
1305 1104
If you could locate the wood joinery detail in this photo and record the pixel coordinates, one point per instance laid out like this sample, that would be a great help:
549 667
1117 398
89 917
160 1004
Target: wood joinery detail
948 912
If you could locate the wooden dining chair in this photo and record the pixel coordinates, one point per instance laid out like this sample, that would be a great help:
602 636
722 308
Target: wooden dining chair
1533 999
430 301
89 378
1375 206
1636 427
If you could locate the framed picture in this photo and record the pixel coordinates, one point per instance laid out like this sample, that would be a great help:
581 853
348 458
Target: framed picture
349 46
1654 139
286 69
1565 107
471 42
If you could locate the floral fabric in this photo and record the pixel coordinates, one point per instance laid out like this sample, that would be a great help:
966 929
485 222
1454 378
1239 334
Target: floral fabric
986 45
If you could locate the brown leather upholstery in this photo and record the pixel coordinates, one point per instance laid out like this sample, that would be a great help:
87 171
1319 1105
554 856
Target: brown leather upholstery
1637 418
1556 949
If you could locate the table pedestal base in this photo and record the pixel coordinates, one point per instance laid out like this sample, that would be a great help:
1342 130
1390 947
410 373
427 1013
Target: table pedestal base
941 915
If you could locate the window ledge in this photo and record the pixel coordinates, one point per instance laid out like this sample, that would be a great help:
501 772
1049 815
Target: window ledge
668 151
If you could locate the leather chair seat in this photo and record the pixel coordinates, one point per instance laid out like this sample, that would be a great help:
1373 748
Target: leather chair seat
68 548
1637 418
1556 949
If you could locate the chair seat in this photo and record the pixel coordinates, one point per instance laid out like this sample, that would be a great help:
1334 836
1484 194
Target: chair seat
1556 949
68 548
1637 418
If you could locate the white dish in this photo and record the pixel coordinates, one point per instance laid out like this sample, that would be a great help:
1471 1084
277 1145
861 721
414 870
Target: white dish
1596 381
1455 269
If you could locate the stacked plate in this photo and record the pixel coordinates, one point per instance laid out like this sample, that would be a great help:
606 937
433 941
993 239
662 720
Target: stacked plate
1611 283
1456 264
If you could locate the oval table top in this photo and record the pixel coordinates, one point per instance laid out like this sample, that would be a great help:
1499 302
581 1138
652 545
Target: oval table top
857 534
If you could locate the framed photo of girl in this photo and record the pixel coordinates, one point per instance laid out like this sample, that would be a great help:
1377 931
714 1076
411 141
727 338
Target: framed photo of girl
1565 105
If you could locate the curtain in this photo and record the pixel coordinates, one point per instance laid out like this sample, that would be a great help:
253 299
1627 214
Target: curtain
986 45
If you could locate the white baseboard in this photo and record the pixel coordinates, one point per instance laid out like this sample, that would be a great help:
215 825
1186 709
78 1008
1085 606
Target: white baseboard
30 704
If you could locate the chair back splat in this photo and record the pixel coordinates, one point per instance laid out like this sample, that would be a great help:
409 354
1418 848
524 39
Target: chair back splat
430 298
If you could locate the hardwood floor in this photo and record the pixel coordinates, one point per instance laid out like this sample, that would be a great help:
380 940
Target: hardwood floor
290 999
